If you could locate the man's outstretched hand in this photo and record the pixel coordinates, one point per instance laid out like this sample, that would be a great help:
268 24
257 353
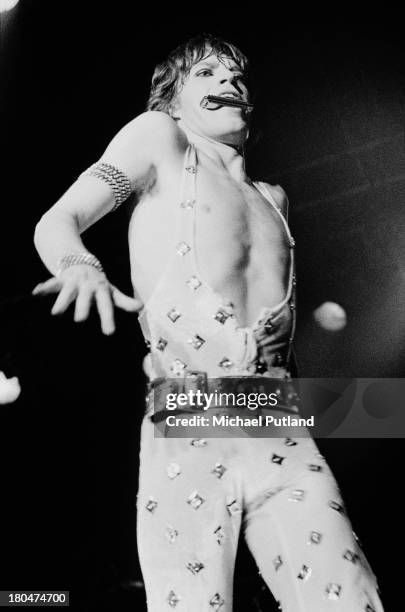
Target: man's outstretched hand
85 284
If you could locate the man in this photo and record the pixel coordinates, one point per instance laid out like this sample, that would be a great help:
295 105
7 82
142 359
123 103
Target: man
212 263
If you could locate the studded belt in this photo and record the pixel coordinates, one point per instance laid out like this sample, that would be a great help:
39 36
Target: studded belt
277 382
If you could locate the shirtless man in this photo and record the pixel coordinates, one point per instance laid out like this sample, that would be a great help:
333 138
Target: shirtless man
212 263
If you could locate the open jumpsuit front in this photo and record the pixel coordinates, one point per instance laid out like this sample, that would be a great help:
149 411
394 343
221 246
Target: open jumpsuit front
195 494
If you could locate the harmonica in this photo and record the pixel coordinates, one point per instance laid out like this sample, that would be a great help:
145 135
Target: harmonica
225 101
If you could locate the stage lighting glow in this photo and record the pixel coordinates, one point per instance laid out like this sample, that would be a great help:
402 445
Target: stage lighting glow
7 5
330 316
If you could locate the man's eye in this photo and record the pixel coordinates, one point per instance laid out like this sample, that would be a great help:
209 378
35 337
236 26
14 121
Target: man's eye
205 72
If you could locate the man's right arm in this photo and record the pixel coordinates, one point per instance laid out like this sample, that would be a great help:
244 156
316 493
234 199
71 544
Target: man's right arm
136 151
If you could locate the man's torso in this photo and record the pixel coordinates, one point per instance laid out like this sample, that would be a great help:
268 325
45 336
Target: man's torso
241 242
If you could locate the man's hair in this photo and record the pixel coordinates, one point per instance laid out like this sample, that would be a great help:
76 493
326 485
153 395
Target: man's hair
169 76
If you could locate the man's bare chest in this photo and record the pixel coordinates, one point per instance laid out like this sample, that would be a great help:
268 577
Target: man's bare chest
234 229
235 215
225 209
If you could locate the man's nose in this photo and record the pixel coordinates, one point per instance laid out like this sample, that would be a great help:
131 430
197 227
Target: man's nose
229 77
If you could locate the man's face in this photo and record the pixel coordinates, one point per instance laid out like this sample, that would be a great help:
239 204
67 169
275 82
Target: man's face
217 76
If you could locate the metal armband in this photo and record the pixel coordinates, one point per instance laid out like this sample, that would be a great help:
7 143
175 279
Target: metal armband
114 177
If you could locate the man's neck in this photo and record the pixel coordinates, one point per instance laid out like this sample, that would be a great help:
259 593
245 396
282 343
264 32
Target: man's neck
228 156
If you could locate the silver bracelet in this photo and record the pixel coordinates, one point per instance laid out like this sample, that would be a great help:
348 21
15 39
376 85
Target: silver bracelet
74 259
114 177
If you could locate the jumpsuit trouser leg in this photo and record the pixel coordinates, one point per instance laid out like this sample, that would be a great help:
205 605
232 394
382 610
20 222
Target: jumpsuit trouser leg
195 495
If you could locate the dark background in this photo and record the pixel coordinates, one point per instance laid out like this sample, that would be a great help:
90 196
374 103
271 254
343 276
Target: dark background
328 128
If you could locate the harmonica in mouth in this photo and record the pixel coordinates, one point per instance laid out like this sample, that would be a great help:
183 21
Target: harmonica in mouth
225 101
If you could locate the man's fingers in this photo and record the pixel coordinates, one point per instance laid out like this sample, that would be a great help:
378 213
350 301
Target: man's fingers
105 310
83 304
65 297
124 301
105 295
50 286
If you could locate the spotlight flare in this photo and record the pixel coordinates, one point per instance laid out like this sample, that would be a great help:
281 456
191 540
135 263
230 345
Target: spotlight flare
330 316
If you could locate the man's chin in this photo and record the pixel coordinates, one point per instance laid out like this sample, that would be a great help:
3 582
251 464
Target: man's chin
234 139
235 135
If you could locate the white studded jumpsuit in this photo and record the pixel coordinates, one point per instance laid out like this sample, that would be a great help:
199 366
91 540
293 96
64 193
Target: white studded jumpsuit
196 494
